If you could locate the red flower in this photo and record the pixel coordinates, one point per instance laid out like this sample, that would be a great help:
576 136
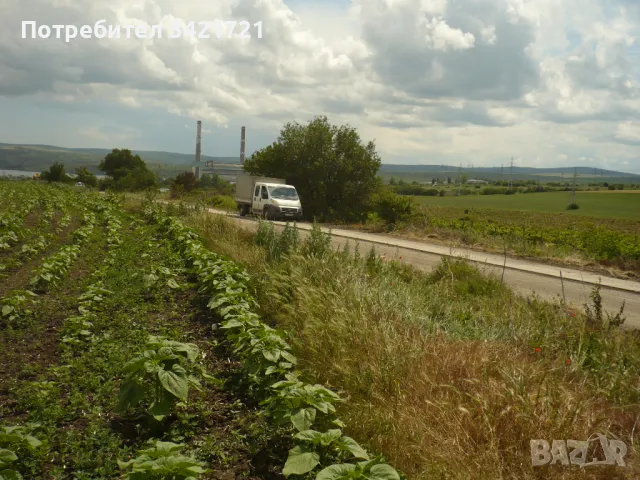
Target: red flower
568 361
573 314
537 349
400 258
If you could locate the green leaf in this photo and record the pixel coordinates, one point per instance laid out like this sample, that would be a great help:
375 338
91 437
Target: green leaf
33 441
383 472
10 475
7 456
131 394
336 472
300 462
161 409
308 435
303 418
233 323
195 382
338 423
271 355
330 436
174 381
289 357
6 310
352 446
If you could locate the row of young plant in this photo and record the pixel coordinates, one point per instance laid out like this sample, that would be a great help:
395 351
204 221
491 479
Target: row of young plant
52 270
16 306
14 440
321 451
17 439
77 328
12 223
35 239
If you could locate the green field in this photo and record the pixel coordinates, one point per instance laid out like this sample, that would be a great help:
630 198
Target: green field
149 341
592 204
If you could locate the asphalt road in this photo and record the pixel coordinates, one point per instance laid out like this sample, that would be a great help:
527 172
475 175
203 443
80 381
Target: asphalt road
522 276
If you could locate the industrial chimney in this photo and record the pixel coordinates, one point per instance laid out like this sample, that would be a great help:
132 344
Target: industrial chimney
198 141
242 146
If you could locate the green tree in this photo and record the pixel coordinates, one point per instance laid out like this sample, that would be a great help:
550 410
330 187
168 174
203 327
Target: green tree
120 162
334 173
86 177
127 171
55 173
216 182
187 180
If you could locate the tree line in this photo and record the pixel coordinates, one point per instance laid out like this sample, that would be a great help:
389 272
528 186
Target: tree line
333 170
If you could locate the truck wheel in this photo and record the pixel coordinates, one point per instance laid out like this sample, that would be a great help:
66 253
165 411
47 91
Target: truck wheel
242 211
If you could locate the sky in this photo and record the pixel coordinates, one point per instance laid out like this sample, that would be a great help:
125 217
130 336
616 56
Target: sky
550 83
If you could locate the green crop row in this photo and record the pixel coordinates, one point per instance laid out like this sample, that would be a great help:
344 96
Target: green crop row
595 240
57 265
14 307
322 451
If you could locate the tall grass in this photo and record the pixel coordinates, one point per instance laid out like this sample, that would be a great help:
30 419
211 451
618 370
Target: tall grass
449 374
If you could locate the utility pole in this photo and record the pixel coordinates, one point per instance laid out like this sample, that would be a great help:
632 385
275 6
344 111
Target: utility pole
572 201
198 149
511 175
242 137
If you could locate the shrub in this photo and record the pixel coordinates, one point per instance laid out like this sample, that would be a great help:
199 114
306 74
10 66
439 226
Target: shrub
318 243
392 208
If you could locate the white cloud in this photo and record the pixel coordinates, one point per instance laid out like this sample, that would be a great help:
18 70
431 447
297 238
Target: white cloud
441 36
489 34
429 80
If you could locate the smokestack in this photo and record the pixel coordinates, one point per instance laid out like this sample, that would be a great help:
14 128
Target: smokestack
242 146
198 141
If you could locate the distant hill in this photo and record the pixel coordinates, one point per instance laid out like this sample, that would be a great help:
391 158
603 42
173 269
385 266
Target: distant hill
38 157
165 164
422 173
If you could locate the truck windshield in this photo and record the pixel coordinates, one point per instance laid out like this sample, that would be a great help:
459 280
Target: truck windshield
283 193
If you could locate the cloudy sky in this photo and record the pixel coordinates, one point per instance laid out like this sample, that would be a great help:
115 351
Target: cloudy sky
549 82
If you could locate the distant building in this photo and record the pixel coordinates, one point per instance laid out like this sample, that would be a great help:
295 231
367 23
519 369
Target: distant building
474 181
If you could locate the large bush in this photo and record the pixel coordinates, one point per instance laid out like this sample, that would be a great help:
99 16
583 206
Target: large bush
333 171
391 207
126 171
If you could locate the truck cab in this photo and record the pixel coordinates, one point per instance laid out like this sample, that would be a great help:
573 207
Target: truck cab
275 201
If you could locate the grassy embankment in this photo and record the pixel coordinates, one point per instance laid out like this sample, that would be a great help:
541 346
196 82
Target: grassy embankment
203 198
450 374
603 235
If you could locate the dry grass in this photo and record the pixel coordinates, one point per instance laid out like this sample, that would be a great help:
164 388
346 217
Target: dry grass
441 372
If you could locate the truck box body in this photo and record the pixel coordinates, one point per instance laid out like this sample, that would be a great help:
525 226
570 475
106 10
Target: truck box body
276 199
245 184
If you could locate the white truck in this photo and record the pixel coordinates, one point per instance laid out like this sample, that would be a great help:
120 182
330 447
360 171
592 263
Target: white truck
270 198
